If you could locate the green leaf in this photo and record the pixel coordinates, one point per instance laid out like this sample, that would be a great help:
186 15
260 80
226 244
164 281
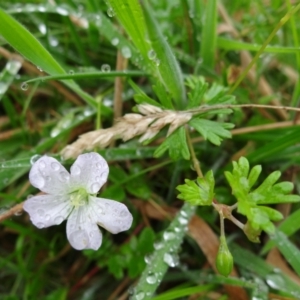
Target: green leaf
230 44
199 192
211 130
163 96
115 265
198 88
209 34
287 249
177 145
168 69
25 43
146 241
259 217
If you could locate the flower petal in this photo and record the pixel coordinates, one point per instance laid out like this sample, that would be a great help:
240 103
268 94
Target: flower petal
48 210
48 175
90 171
111 215
82 232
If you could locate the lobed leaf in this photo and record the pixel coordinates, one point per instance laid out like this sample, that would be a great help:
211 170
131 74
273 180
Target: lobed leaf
199 192
211 130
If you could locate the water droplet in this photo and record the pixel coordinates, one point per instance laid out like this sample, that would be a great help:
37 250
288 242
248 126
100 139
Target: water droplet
71 72
157 62
148 258
58 220
18 213
39 68
29 196
171 259
24 86
62 11
79 239
75 170
140 296
55 166
110 12
105 68
34 158
64 176
151 54
115 41
42 28
100 209
126 52
47 217
183 213
42 164
3 88
131 290
182 221
41 8
151 278
95 187
53 41
40 225
169 235
13 66
158 245
177 229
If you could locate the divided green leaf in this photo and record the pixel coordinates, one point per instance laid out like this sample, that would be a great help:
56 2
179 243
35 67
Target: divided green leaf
213 131
199 192
177 145
259 217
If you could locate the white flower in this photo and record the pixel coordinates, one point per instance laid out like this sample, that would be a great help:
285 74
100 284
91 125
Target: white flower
73 196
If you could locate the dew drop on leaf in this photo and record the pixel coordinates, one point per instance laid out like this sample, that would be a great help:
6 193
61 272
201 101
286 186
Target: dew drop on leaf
126 52
24 86
158 245
105 68
110 12
151 278
34 158
140 296
115 41
171 259
151 54
169 235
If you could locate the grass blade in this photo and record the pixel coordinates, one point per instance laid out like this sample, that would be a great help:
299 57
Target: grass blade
209 34
168 67
25 43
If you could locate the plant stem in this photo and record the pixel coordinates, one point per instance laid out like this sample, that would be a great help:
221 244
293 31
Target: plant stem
195 161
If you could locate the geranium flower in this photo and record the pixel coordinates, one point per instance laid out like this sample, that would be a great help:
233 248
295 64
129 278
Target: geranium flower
73 197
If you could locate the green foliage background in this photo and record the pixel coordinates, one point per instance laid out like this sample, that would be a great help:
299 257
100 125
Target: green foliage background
179 55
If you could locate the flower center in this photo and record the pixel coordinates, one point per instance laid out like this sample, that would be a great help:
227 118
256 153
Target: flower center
79 198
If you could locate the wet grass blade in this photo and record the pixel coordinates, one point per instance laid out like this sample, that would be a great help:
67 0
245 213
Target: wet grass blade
26 44
165 61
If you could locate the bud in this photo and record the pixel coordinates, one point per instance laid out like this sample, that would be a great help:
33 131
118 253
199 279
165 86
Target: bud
224 260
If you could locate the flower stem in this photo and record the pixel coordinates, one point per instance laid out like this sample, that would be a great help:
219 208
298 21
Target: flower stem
195 161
